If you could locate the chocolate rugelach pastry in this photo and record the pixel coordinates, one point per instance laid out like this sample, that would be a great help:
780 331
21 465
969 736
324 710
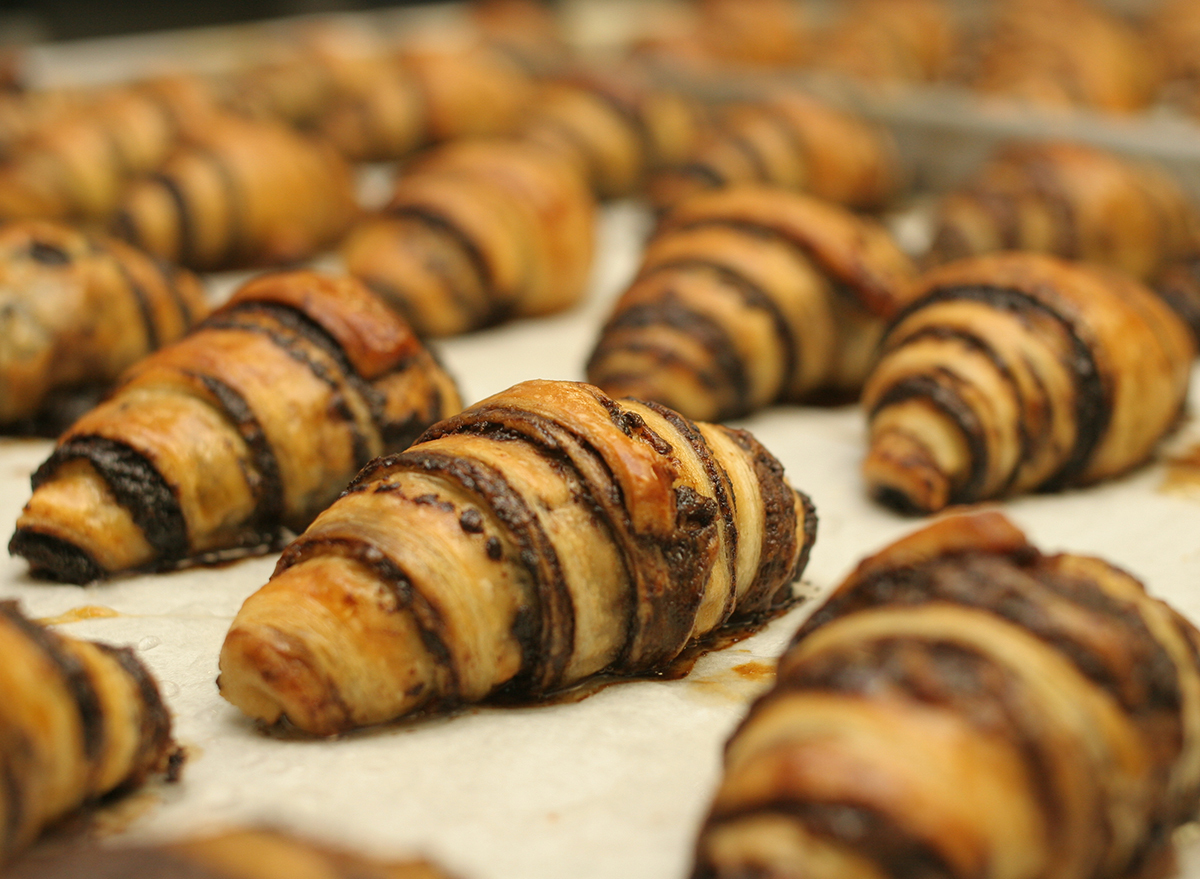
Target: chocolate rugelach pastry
749 296
788 140
530 31
711 37
77 162
242 193
298 72
1062 54
248 426
618 125
25 111
889 41
232 854
753 33
967 706
76 309
428 93
477 232
1076 201
78 721
1020 372
542 536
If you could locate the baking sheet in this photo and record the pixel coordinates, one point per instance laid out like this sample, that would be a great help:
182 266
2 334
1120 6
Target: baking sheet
612 786
609 787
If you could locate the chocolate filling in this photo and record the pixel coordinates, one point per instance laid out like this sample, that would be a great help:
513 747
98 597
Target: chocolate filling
547 632
754 158
775 568
722 489
154 737
55 558
939 389
497 311
267 479
136 485
1093 409
755 297
981 345
140 296
867 832
731 380
291 330
75 677
235 242
185 245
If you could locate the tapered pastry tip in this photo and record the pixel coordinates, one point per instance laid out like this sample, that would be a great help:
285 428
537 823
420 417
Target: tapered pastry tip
901 472
54 558
270 676
74 530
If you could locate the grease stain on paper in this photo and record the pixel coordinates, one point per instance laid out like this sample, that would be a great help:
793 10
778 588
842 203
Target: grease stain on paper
78 614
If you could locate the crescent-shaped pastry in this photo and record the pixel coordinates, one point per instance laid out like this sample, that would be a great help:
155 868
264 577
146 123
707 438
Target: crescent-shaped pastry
477 232
241 193
77 309
1071 200
789 140
542 536
231 854
250 425
966 706
749 296
78 720
1019 372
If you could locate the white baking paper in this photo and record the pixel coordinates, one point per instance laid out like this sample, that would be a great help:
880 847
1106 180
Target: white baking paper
610 787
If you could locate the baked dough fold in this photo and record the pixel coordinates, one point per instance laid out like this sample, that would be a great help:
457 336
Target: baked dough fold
964 705
542 536
250 425
77 309
1018 372
78 721
749 296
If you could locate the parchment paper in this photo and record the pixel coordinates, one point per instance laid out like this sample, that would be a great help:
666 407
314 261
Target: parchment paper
609 787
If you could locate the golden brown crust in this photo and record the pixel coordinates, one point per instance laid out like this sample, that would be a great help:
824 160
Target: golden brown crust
469 89
243 193
748 296
858 254
251 424
758 33
80 720
74 160
964 703
1179 287
1065 53
617 125
889 42
1173 29
371 339
478 232
77 309
1071 200
529 30
1018 372
788 139
426 93
542 536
